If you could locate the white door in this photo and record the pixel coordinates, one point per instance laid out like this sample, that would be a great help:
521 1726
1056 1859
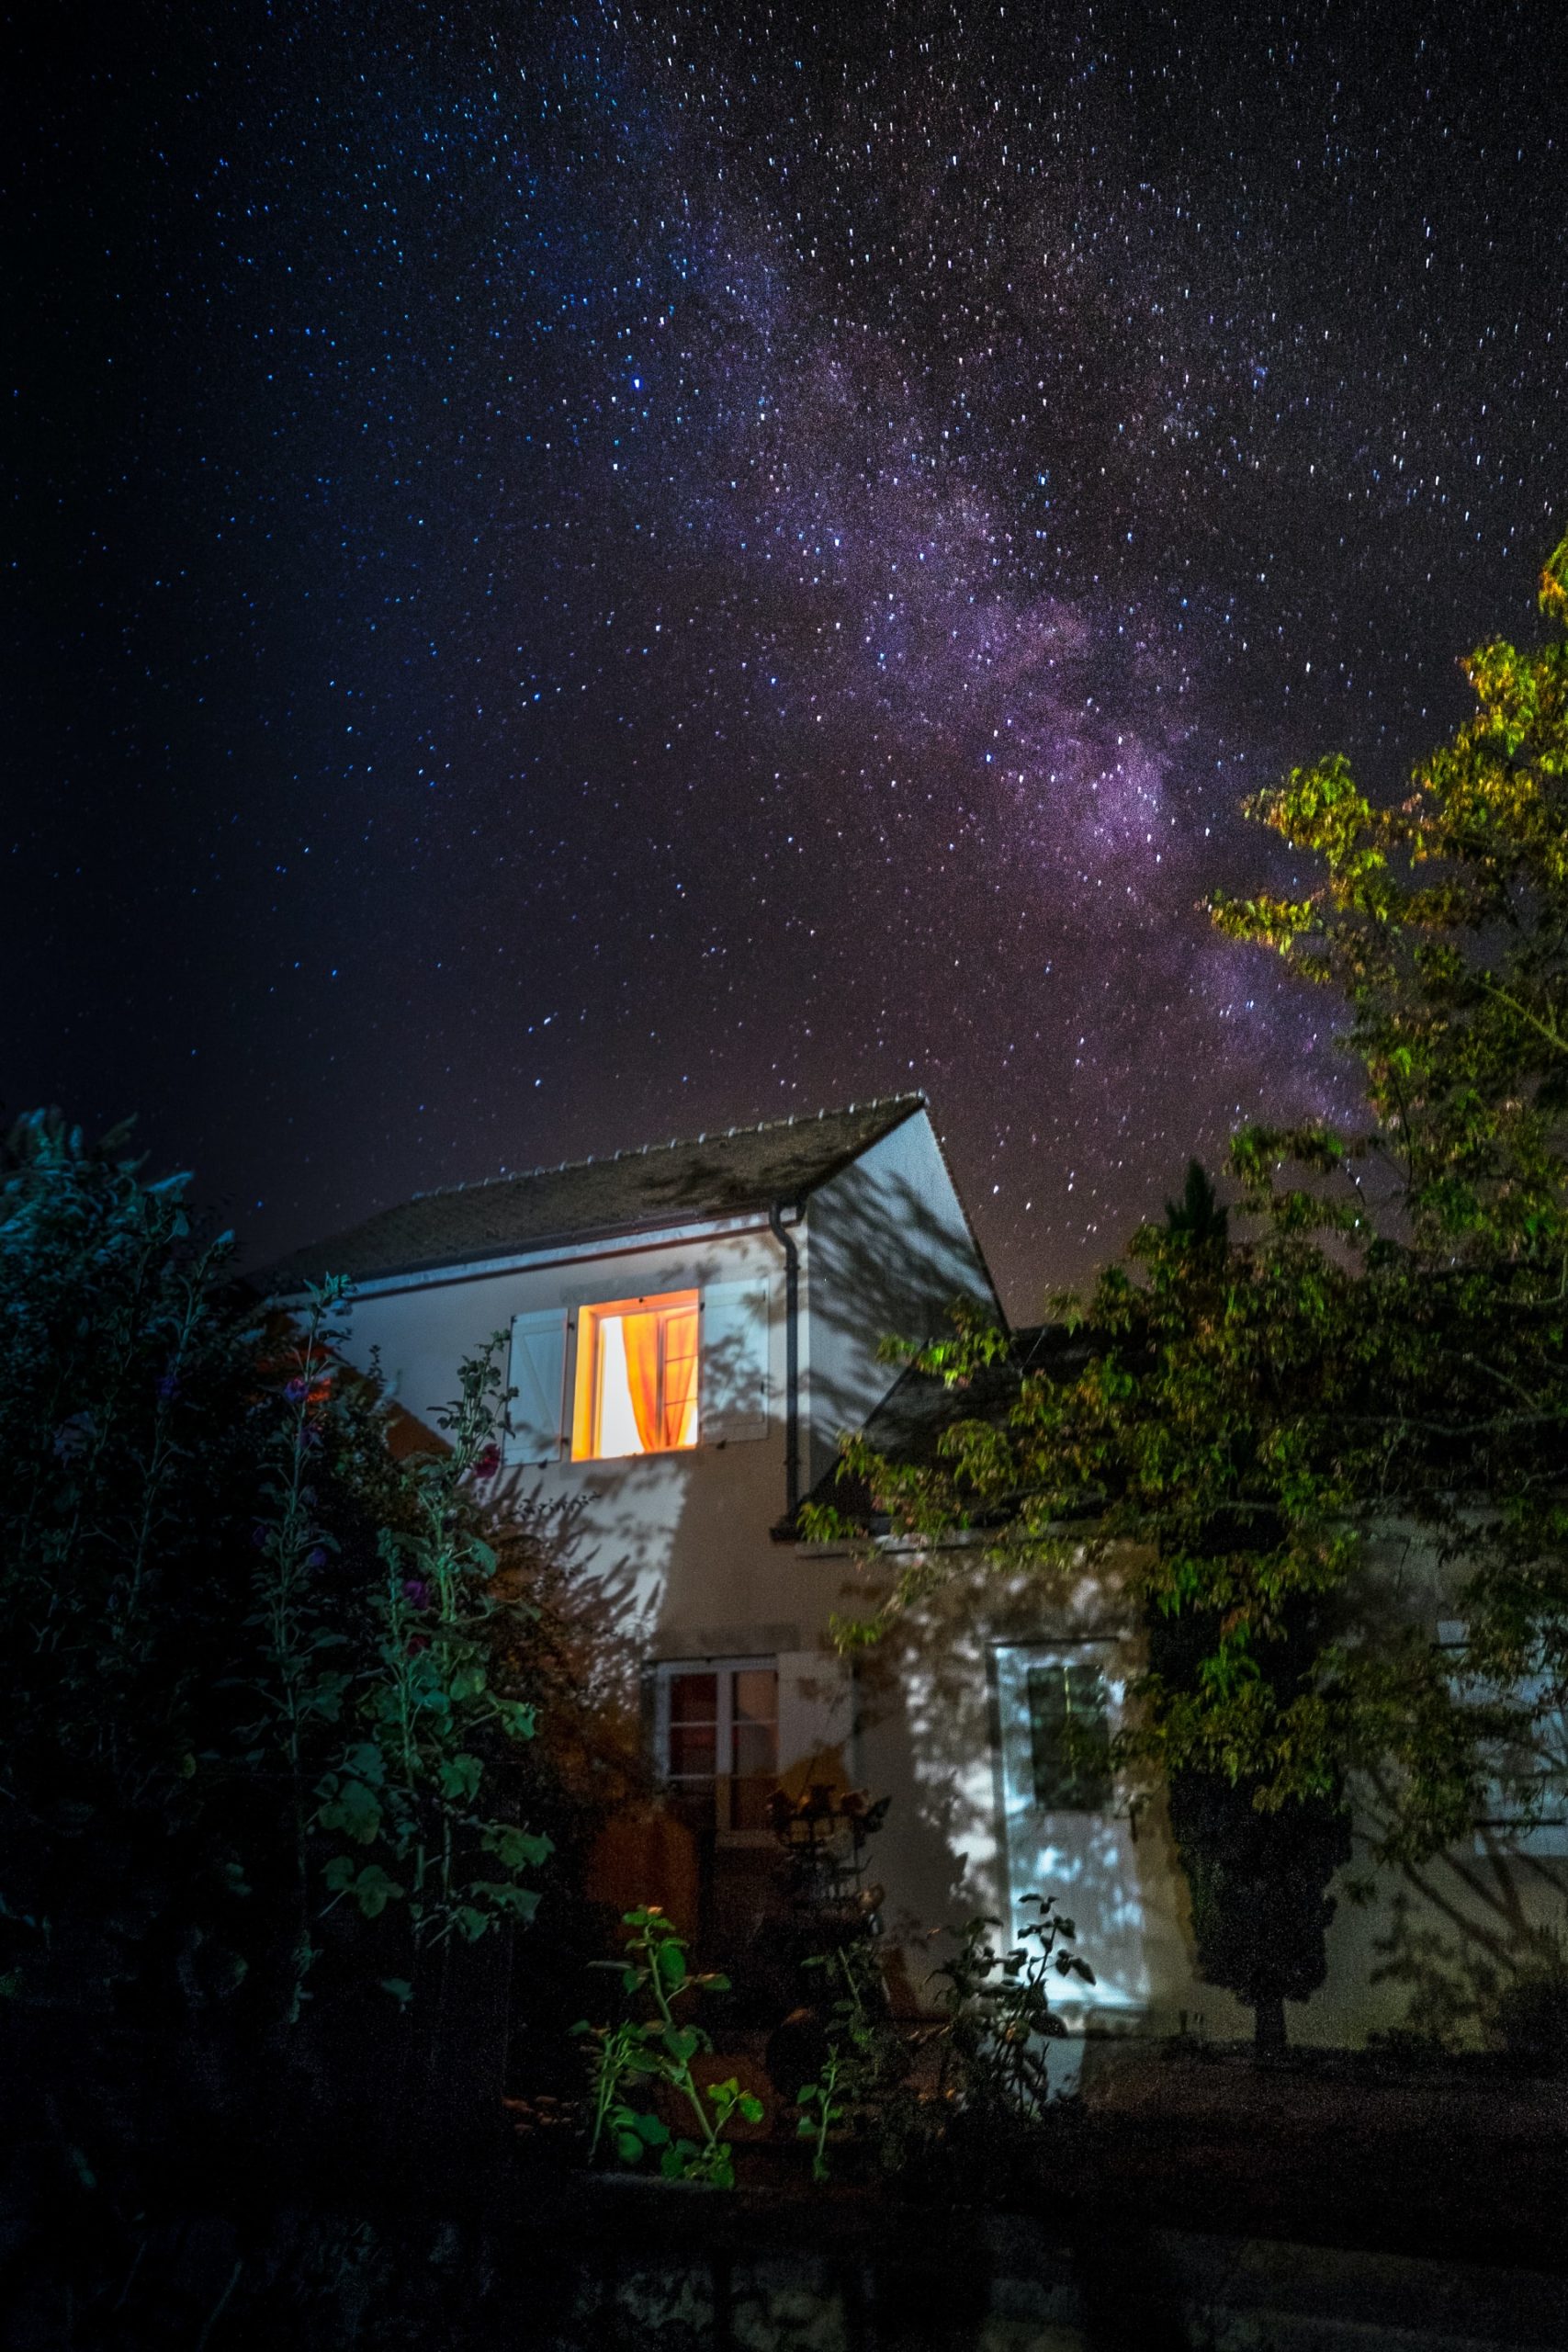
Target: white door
1059 1707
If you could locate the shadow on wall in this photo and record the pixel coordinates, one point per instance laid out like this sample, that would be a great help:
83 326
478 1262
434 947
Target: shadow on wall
672 1554
886 1264
929 1729
1471 1945
1438 1952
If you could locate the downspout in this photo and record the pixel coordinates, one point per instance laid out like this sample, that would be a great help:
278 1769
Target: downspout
792 1358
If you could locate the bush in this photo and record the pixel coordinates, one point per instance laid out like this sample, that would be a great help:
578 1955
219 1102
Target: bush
260 1765
1528 2017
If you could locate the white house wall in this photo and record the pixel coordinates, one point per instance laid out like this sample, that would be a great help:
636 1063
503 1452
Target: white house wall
889 1250
687 1532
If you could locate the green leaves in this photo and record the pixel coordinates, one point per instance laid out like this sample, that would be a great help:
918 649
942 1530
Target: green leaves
370 1886
352 1809
658 2050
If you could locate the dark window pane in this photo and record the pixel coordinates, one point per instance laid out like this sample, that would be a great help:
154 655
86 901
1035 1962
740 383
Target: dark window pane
694 1698
692 1751
1069 1738
756 1749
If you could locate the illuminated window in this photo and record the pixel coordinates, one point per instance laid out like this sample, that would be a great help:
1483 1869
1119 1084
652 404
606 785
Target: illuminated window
719 1739
637 1377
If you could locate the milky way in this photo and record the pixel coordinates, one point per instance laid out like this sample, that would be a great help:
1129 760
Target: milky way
589 576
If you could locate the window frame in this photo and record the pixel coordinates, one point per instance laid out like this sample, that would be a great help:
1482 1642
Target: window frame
724 1670
587 1319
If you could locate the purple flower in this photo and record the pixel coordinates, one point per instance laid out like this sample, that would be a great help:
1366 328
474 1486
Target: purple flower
416 1591
489 1462
258 1537
169 1387
316 1556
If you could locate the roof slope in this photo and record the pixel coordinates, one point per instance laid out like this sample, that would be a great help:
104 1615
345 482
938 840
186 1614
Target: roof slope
721 1175
909 1423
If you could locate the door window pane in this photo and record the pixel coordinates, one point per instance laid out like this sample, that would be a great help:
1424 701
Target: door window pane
723 1730
1070 1736
693 1699
756 1695
694 1751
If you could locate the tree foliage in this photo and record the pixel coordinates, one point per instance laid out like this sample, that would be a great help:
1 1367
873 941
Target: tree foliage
257 1755
1374 1339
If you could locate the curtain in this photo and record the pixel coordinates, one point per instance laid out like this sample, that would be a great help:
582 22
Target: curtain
641 1334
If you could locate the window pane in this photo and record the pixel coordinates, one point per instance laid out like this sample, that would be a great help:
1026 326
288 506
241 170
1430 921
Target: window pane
617 1430
1069 1738
694 1698
694 1751
756 1750
756 1695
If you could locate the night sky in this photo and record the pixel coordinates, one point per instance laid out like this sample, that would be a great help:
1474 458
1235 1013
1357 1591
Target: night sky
586 575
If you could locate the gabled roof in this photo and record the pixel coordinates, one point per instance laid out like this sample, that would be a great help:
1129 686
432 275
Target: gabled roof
907 1426
735 1173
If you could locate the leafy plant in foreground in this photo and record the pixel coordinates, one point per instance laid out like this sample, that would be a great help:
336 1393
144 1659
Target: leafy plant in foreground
984 2059
867 2059
1000 2011
260 1747
640 2054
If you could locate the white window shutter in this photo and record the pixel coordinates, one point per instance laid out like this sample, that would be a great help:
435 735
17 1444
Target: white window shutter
733 1395
537 1372
816 1719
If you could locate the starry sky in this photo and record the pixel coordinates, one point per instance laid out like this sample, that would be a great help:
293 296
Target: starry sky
583 573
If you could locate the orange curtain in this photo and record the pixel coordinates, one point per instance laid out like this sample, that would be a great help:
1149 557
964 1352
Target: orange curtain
641 1335
680 1376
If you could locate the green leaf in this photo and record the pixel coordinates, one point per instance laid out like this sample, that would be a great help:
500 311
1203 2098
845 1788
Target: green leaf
373 1890
669 1959
355 1811
460 1776
517 1848
399 1988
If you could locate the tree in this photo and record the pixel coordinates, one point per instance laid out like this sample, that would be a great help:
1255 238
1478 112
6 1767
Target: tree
1384 1340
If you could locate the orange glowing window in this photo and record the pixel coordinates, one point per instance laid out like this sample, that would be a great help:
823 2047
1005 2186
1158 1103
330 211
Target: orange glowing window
637 1377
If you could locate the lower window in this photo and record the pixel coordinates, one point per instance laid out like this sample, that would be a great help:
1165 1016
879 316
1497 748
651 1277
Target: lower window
717 1740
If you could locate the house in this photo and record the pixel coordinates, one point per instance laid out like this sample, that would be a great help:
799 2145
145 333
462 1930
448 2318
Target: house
690 1328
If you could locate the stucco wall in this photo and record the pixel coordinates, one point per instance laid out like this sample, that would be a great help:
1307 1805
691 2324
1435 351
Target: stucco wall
889 1250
